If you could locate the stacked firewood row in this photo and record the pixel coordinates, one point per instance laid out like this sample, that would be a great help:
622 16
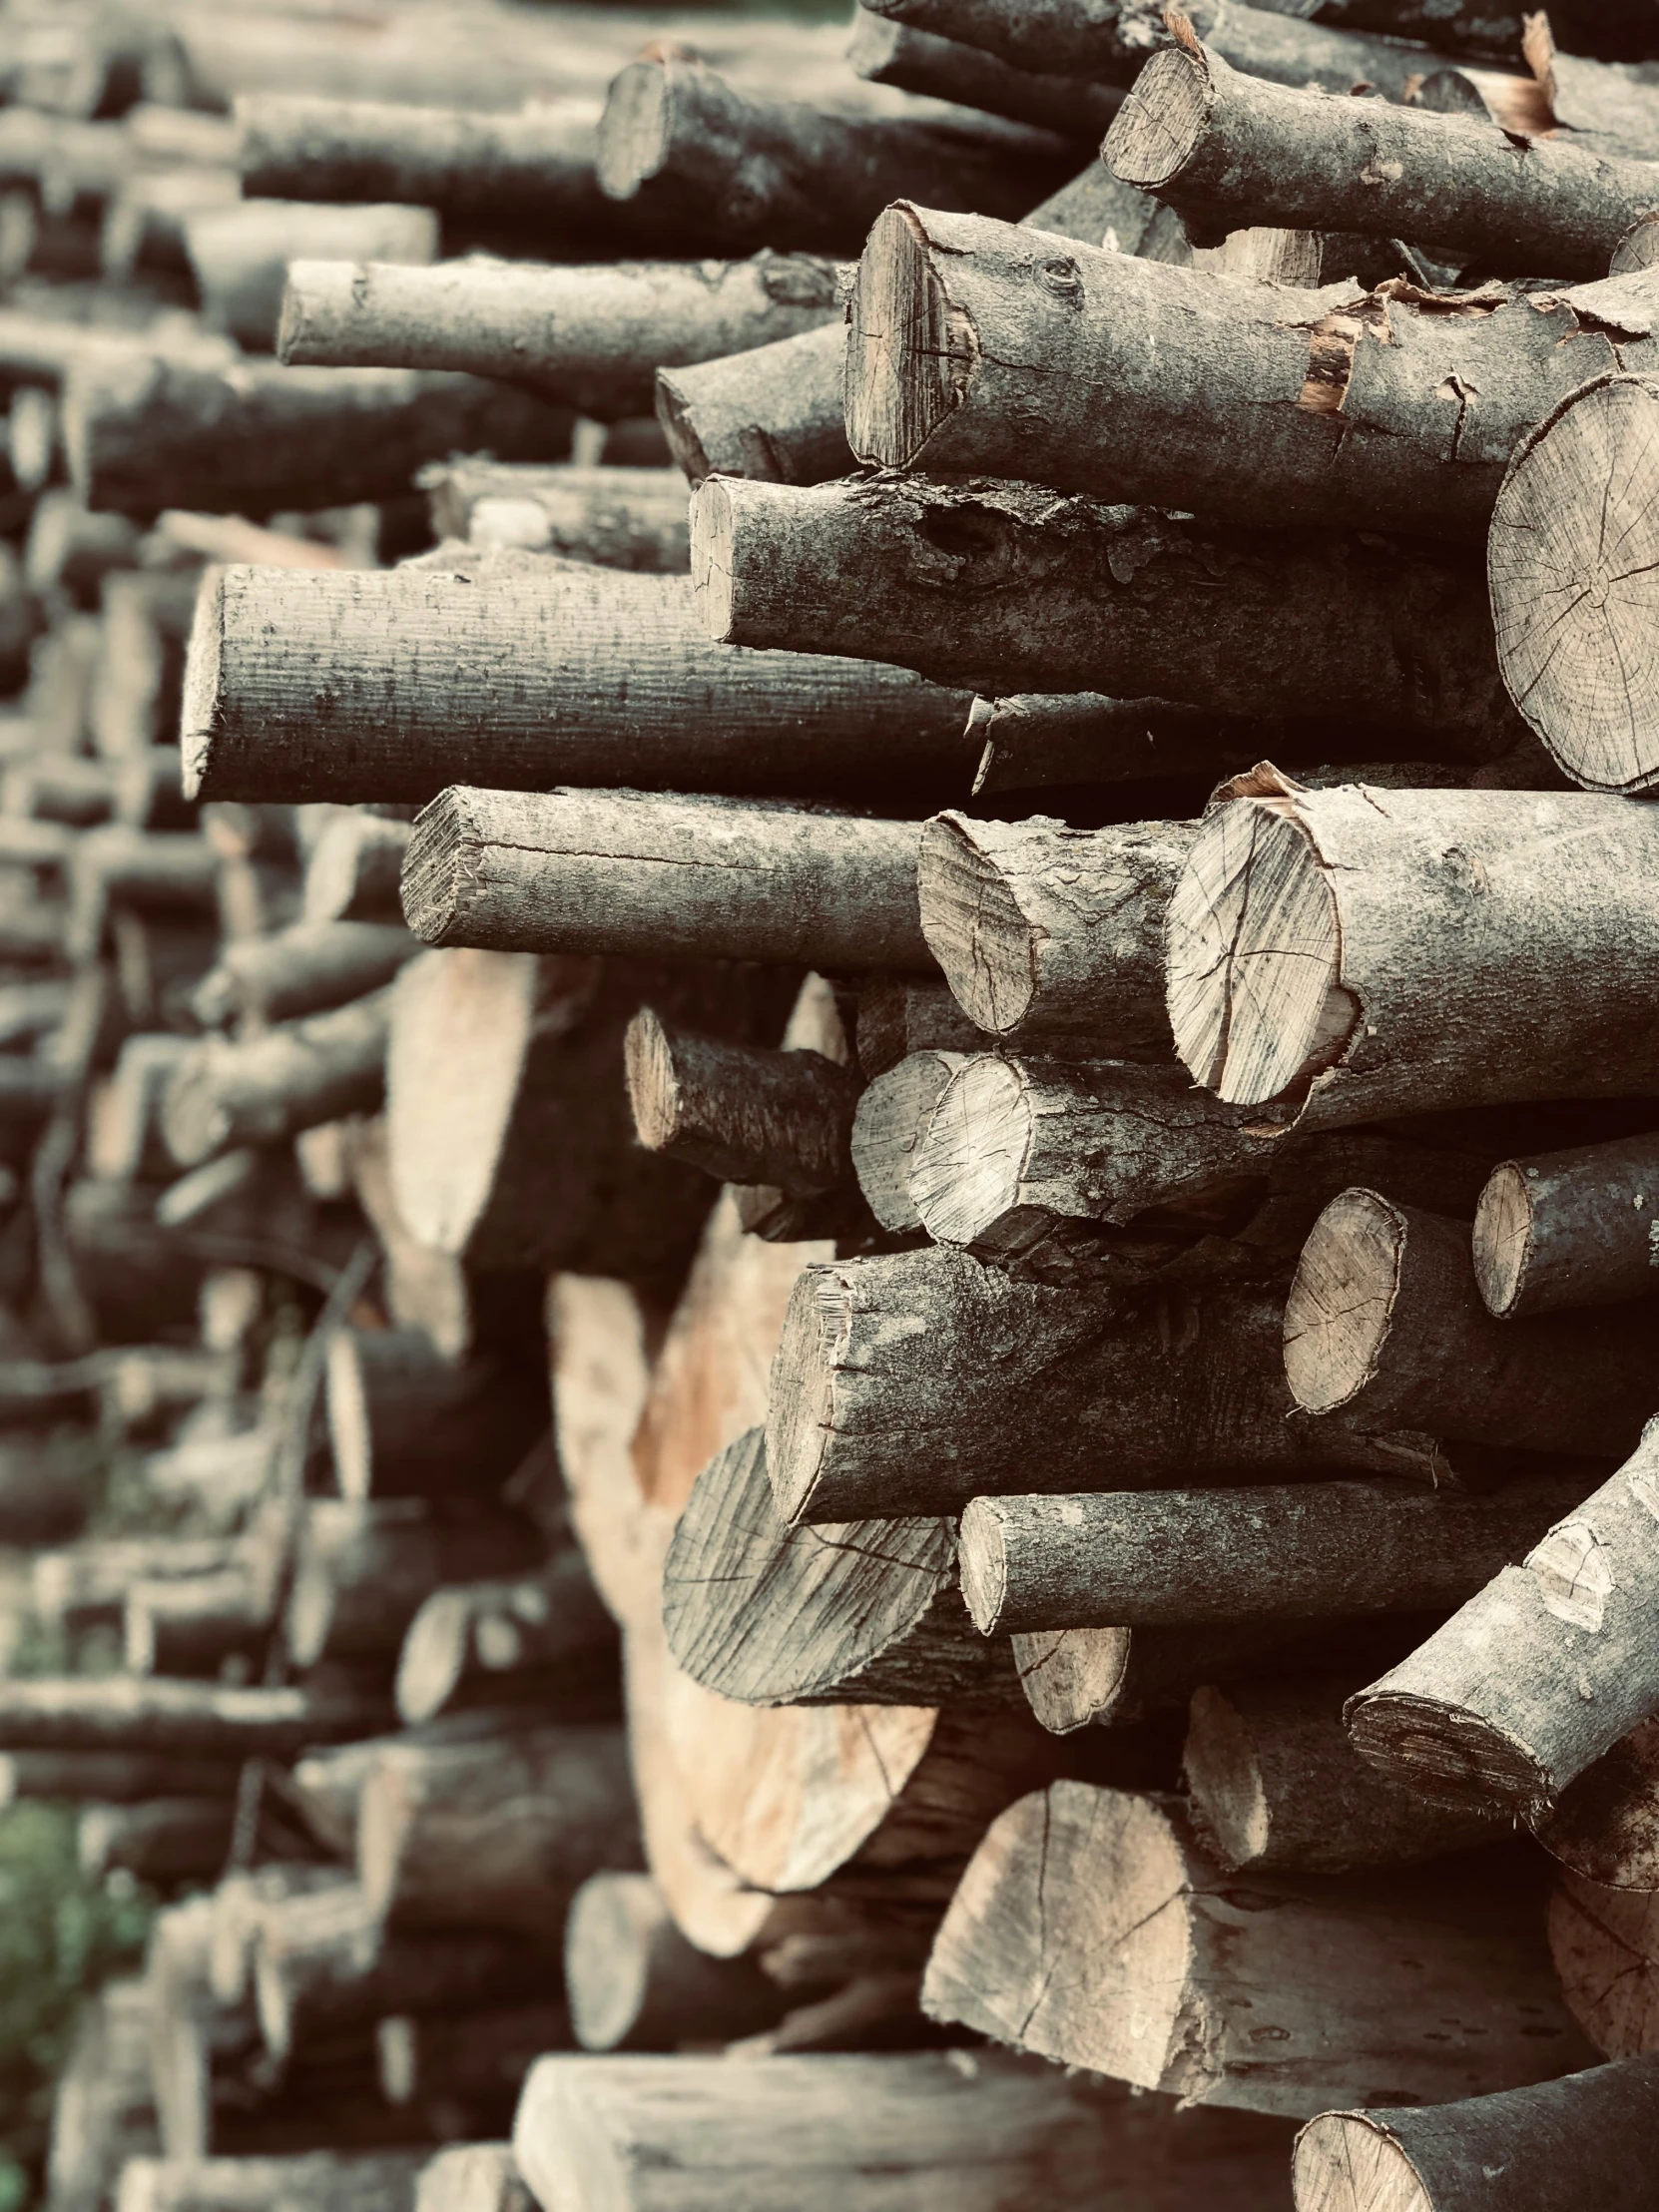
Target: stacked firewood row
836 1065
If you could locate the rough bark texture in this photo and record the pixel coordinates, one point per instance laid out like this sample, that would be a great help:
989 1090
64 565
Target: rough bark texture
635 1983
979 349
1538 1675
1034 738
304 969
631 518
773 413
404 1422
362 1570
890 1127
741 1113
1091 1927
525 682
889 52
586 338
152 1714
1307 949
546 1641
1569 1229
264 1089
1225 149
1009 589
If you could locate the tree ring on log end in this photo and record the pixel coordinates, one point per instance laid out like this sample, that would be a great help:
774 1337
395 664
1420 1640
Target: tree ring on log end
1454 1756
1503 1237
1340 1306
634 144
968 1173
653 1085
1162 120
1349 2162
911 353
984 944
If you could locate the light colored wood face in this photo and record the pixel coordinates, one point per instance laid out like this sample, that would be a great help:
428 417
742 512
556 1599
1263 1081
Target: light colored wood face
1343 2162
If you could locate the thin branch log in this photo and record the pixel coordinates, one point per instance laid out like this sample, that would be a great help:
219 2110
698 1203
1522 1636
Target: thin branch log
773 413
304 969
632 518
741 1113
268 1088
889 52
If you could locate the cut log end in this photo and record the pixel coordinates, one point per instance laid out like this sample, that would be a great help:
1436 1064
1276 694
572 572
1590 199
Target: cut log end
199 717
1072 1676
1347 2162
1445 1753
1341 1305
434 1656
436 870
606 1965
1638 249
1155 131
1219 1748
1503 1237
974 928
711 529
967 1173
634 136
910 354
349 1428
985 1565
653 1088
801 1418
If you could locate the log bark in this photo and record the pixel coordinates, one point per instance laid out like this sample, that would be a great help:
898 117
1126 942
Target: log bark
404 1422
773 413
634 1983
326 1782
589 337
1275 1785
547 1641
87 1582
889 52
1092 1928
1539 1674
977 350
889 1128
912 1383
143 432
265 1089
1565 1229
630 518
630 873
784 174
1307 936
1010 589
164 1843
851 2129
353 868
1224 150
865 1612
304 969
1384 1316
201 1719
901 1014
741 1113
240 255
194 1624
146 871
373 2181
1294 1551
613 683
362 1570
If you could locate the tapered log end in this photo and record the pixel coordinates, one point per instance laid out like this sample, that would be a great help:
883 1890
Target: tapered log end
1572 564
985 1565
910 354
1224 1781
713 527
653 1086
1347 2162
199 717
1448 1754
973 925
437 869
1253 957
1503 1238
968 1167
434 1656
635 129
1340 1306
1161 121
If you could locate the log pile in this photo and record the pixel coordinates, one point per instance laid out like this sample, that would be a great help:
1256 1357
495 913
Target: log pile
829 1063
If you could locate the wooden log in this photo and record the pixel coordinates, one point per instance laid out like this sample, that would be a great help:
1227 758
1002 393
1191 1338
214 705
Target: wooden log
304 969
1224 150
1536 1676
366 2181
901 1014
363 1570
1605 1944
472 2177
353 868
194 1624
240 255
103 2108
500 1832
741 1113
1003 338
152 1714
889 52
1033 739
632 518
546 1641
404 1422
476 2061
889 1127
1092 1928
614 682
1008 588
163 1843
912 1383
635 1983
113 1777
601 331
265 1089
865 1612
1364 1026
143 432
86 1582
1274 1784
162 872
1565 1229
773 413
586 871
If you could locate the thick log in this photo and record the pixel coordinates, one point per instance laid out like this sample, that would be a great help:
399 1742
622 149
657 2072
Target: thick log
1093 1928
589 337
741 1113
373 2181
1306 939
633 872
152 1714
634 1983
472 2177
889 52
1032 738
1533 1679
889 1128
1569 1229
912 1383
304 969
633 519
1275 1784
613 683
1008 588
353 869
1605 1943
1224 149
166 1841
113 1777
865 1612
547 1641
404 1422
773 413
240 255
142 432
499 1831
1004 340
1384 1316
264 1089
363 1570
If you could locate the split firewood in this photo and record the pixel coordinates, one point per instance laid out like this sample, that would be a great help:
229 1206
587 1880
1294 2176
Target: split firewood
614 682
773 413
1605 1944
634 1983
1533 1679
889 52
240 255
113 1777
1093 1928
632 518
1000 333
155 1715
1008 588
1225 149
266 1088
889 1130
353 868
472 2177
166 1841
304 969
1301 970
143 432
363 1570
404 1422
600 333
1569 1229
364 2181
547 1641
632 872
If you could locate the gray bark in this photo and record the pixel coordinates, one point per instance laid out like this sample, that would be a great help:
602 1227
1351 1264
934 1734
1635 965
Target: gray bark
773 413
1032 738
363 1570
268 1088
890 1127
353 869
1538 1675
889 52
545 1640
240 255
192 1624
741 1113
1008 588
1569 1229
585 337
304 969
612 681
633 519
404 1422
134 1712
634 1983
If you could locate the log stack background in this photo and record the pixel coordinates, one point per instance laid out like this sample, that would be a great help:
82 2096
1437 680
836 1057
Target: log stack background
829 1118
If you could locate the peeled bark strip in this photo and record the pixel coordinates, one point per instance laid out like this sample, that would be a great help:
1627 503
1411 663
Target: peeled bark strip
1307 949
143 432
136 1713
1225 149
1581 2140
538 1641
404 1422
632 518
632 872
865 1612
1091 1927
741 1113
1008 588
887 52
362 1570
635 1983
1569 1229
1538 1675
304 969
773 413
268 1088
979 349
585 337
912 1383
889 1128
1384 1317
1605 1944
1274 1784
525 682
353 869
1294 1551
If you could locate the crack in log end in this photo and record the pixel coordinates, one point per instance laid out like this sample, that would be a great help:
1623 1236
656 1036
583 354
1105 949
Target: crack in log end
1332 346
1448 1754
911 353
1161 121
